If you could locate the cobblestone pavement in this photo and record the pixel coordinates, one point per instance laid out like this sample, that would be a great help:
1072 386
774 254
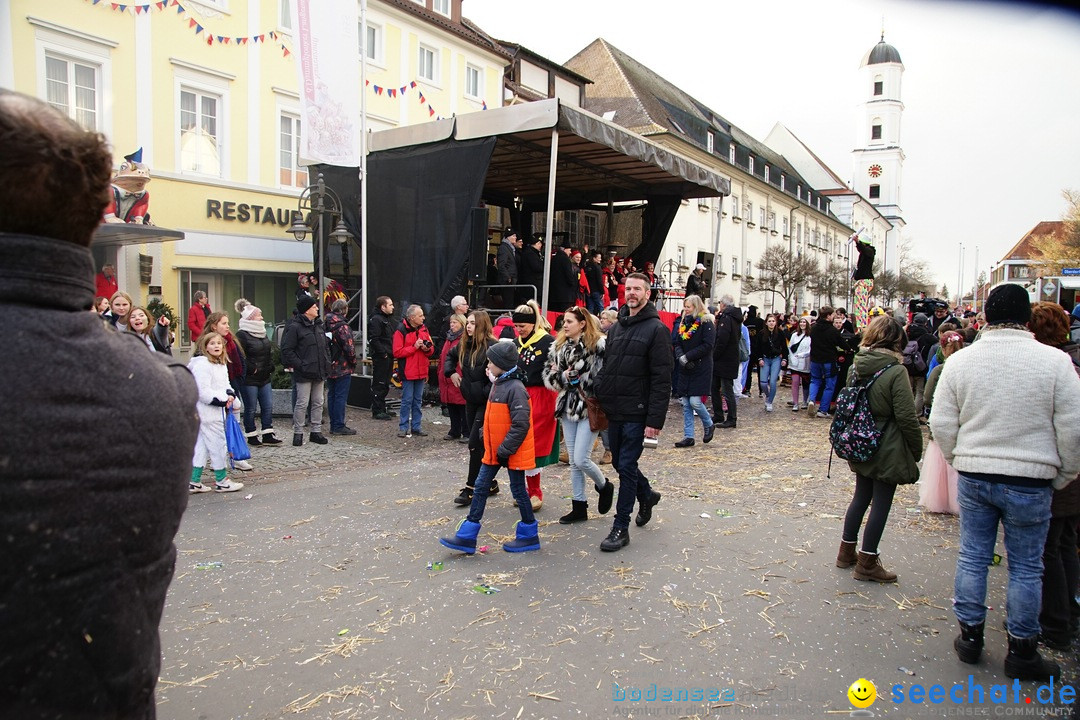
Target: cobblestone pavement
322 605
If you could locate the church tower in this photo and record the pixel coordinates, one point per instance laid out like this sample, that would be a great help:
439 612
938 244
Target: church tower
878 159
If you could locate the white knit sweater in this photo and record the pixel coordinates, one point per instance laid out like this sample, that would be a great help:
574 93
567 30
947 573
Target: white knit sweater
1009 405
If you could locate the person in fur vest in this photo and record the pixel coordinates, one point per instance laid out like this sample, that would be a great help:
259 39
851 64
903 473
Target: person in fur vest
574 360
508 441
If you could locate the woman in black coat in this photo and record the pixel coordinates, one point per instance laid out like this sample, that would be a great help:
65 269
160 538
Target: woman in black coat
693 347
468 364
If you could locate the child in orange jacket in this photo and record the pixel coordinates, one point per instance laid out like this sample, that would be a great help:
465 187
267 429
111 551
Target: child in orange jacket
508 440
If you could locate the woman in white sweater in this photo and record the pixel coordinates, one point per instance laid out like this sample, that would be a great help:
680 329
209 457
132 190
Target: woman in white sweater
799 363
211 371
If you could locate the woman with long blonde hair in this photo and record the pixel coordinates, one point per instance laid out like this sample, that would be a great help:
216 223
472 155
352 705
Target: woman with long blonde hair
693 341
574 361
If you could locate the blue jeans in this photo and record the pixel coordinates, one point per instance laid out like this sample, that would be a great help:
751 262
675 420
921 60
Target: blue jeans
337 392
517 489
626 439
579 439
770 372
412 397
594 302
262 394
690 406
1025 514
822 374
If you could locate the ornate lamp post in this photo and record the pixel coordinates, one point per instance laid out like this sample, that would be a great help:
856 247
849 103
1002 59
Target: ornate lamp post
316 202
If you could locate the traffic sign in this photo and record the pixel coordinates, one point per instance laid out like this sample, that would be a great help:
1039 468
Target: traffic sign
1049 288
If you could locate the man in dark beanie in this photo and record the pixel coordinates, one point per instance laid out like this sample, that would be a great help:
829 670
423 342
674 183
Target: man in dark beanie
1012 442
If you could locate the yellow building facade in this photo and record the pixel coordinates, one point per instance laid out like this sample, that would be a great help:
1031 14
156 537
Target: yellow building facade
208 90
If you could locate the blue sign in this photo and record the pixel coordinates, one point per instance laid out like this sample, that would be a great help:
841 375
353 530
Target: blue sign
1070 271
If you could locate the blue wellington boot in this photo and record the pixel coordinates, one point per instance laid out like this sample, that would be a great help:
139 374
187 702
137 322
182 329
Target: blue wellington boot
526 539
465 538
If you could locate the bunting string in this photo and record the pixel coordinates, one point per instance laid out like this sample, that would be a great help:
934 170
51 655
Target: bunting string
212 38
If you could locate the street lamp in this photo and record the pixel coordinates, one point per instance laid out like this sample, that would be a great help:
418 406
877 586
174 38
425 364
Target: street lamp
319 200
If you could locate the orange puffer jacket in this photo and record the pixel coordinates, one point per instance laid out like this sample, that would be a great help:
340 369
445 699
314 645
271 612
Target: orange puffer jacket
507 427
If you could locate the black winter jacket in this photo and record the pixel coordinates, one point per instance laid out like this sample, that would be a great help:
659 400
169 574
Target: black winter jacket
563 282
824 339
726 351
260 358
475 384
381 335
532 270
303 348
695 377
635 383
535 358
771 345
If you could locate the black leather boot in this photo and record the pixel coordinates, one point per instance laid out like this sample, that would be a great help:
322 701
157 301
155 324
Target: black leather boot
969 643
1025 663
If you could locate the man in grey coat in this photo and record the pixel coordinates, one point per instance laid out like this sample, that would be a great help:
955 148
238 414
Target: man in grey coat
86 521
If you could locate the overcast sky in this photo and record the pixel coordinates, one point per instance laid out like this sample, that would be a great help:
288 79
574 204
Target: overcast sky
991 93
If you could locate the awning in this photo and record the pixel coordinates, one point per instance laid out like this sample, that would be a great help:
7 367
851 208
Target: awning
1069 283
598 161
117 234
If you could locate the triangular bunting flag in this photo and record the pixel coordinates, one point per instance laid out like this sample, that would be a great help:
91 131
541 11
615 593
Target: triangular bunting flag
123 8
191 22
241 41
115 6
273 35
412 84
198 28
402 91
421 98
179 8
138 9
483 104
146 8
209 39
284 51
391 92
430 111
262 38
160 5
367 82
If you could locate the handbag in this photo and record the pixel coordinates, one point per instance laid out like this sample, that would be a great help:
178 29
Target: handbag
235 440
597 418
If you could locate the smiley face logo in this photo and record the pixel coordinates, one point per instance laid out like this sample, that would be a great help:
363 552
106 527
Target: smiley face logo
862 693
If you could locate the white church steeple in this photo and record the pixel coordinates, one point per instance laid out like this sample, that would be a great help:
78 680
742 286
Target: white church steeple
878 158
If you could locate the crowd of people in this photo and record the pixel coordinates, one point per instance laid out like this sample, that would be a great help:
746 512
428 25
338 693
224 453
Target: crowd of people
79 635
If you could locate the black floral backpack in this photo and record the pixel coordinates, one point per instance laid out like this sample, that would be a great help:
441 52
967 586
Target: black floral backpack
853 434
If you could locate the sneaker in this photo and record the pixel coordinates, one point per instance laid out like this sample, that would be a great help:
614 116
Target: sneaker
403 434
450 436
821 415
768 407
606 458
809 407
254 441
803 406
685 443
346 430
464 497
420 433
794 408
242 465
318 438
381 416
463 440
269 438
709 433
297 439
198 488
494 490
228 486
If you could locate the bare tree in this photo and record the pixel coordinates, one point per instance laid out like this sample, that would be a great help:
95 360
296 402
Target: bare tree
1060 250
830 281
781 272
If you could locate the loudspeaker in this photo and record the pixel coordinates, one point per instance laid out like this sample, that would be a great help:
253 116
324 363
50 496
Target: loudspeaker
478 244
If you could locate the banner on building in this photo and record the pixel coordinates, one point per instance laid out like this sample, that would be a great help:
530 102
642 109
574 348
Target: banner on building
325 45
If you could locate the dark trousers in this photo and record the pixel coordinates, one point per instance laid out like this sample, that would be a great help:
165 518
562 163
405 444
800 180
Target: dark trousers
381 367
474 424
484 481
626 440
867 492
1061 573
337 394
457 420
723 387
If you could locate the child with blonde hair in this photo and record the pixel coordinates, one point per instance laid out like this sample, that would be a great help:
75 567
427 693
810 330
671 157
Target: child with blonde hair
211 371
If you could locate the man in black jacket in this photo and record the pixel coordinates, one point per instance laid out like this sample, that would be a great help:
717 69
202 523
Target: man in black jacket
695 284
563 282
303 348
634 388
824 341
86 525
726 361
381 347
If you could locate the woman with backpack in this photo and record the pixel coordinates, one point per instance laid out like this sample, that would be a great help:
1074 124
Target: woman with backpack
879 368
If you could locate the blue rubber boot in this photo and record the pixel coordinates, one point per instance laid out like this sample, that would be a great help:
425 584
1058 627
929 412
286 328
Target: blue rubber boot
526 539
465 538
